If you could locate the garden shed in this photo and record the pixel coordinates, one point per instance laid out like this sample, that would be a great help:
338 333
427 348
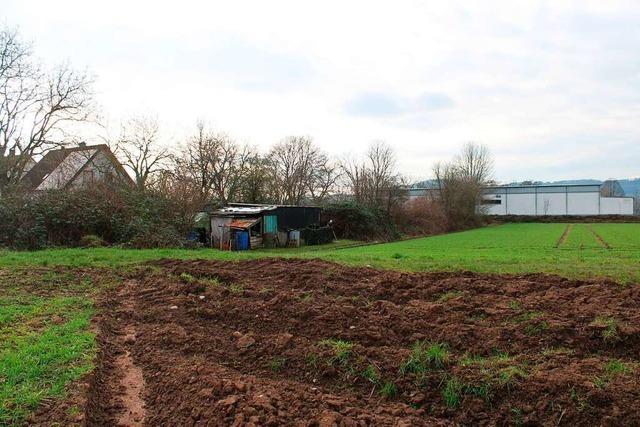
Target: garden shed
240 226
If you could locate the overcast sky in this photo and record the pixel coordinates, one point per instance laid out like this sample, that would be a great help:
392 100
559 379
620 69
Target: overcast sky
552 87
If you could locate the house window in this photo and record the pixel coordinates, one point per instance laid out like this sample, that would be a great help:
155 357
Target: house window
491 202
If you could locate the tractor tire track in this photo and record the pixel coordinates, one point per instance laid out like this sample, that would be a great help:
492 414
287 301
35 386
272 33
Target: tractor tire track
599 238
565 235
116 393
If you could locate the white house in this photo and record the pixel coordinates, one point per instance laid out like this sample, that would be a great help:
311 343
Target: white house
76 167
553 200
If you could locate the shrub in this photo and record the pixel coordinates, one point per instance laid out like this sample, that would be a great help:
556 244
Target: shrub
91 241
67 218
353 221
420 216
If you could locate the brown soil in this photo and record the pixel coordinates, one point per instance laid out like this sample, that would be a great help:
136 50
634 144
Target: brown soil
241 343
116 394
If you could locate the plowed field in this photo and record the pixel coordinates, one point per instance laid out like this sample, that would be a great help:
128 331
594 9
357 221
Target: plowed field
308 342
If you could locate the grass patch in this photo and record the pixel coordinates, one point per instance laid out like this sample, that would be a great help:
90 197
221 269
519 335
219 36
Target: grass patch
515 305
341 350
235 288
529 316
306 296
38 364
45 335
452 392
186 278
610 371
510 375
536 328
609 326
482 391
210 281
616 367
442 298
424 356
277 364
389 390
371 374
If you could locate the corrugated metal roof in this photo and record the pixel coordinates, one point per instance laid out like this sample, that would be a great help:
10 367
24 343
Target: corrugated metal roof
243 224
244 210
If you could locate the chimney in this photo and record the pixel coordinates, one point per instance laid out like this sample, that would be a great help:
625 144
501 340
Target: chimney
82 144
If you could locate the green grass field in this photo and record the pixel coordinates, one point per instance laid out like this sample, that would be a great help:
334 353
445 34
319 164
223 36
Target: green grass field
45 335
46 297
510 248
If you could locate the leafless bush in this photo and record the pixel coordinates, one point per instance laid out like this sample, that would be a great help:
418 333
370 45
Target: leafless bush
460 183
420 216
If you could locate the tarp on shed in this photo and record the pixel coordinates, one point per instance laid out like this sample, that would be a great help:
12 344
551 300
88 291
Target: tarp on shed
243 223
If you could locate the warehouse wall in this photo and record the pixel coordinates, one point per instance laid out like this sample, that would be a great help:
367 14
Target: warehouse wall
616 206
554 200
551 204
521 204
583 203
495 209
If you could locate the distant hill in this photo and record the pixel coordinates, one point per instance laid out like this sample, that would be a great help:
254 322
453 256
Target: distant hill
631 187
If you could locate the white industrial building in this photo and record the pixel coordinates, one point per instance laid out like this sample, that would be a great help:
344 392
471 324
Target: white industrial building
553 200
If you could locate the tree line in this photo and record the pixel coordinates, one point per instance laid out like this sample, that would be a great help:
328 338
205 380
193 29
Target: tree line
42 107
293 171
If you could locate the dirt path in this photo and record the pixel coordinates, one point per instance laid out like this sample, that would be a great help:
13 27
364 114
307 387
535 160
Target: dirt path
116 393
565 235
132 412
132 382
599 238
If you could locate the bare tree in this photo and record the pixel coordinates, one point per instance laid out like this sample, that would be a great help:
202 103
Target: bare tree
374 181
35 106
258 183
474 162
139 147
215 163
324 180
297 165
